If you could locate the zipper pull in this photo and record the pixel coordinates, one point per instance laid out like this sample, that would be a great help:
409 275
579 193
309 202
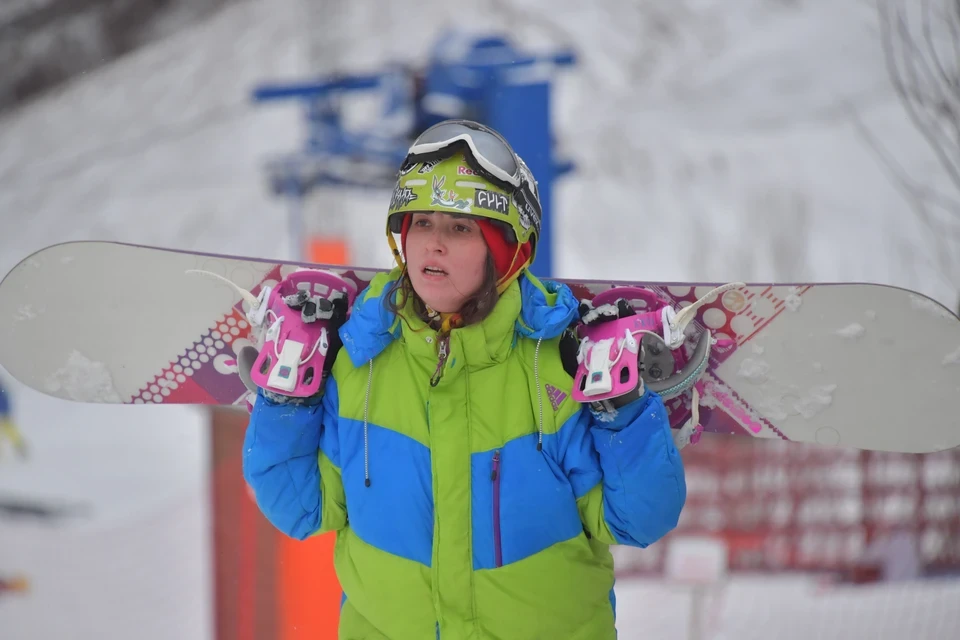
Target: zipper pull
444 342
496 464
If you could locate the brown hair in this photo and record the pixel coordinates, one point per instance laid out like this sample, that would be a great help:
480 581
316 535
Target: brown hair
474 309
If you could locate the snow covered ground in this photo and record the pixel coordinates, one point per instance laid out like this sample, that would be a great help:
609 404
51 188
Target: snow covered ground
788 608
722 124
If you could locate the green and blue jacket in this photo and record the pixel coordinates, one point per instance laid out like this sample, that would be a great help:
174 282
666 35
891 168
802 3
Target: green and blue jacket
479 508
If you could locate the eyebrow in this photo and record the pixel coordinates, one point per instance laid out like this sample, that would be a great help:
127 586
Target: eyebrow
455 216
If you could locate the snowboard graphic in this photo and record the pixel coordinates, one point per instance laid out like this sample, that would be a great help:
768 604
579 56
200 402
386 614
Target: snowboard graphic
856 365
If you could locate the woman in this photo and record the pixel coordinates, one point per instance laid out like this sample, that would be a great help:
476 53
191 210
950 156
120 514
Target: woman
471 495
9 430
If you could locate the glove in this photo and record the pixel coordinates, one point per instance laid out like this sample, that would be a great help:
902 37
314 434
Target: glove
592 316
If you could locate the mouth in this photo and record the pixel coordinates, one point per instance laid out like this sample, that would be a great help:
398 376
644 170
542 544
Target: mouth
434 271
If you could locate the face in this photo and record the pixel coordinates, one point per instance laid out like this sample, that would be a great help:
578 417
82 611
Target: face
445 255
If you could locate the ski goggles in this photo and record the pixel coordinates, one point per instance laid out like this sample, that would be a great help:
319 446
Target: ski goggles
490 153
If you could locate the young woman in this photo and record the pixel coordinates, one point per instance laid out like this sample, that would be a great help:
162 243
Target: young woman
471 495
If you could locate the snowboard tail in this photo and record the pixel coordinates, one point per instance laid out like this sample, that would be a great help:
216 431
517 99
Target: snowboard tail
858 365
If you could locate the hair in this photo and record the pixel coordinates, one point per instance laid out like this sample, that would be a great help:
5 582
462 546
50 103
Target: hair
474 309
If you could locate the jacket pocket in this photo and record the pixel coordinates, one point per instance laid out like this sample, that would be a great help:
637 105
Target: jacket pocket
495 477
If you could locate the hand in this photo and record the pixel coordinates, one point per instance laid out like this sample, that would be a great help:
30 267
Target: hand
591 315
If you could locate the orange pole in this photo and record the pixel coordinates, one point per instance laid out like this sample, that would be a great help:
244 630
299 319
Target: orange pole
325 250
309 598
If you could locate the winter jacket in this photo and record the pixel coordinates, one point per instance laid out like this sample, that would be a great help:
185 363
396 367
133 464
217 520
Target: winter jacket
493 496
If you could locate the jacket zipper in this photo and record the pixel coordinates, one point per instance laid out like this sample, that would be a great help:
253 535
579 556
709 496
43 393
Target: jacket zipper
444 344
495 476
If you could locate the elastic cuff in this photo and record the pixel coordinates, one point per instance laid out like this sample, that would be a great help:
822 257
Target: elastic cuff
278 398
612 404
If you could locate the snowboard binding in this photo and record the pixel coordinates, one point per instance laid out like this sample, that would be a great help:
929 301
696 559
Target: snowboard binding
300 317
610 353
295 327
691 430
612 361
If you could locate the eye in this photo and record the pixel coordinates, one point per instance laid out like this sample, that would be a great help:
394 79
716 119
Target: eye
462 228
422 222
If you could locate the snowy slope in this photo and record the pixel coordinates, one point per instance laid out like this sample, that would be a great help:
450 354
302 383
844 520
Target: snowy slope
734 124
789 608
147 578
721 124
143 151
724 121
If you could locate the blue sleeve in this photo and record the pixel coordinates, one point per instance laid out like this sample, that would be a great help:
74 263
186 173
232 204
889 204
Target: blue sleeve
626 471
282 450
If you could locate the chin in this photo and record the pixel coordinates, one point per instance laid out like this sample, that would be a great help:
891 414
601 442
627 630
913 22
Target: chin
441 306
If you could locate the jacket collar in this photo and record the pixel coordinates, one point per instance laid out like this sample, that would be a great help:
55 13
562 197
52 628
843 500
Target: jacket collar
529 308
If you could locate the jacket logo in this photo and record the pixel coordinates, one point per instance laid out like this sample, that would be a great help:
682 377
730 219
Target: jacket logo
556 397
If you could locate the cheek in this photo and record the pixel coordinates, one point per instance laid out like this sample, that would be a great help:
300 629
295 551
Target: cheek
412 248
473 261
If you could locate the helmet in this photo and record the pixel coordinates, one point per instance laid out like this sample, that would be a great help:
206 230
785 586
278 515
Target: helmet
461 166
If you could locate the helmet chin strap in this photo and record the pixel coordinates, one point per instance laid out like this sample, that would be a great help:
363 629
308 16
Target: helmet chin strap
396 251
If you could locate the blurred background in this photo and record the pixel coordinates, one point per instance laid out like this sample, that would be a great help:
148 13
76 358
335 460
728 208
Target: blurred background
753 140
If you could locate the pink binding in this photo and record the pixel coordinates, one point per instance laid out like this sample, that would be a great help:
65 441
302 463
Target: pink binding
292 357
607 374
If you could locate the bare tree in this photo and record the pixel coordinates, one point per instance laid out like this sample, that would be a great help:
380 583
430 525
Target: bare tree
920 41
921 46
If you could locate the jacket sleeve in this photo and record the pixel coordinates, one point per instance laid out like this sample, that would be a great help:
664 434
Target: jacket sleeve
630 474
291 461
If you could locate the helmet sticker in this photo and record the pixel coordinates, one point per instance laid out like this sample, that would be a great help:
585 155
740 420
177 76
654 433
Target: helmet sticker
527 212
450 198
402 196
491 201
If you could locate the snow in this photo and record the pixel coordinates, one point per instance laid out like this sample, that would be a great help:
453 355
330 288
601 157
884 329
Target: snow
717 123
952 358
26 312
84 380
755 371
929 306
778 405
144 578
852 331
790 607
792 302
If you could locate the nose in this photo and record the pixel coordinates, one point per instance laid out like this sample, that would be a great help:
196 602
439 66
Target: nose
435 240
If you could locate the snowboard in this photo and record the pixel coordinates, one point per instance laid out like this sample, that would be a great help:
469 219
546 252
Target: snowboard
865 366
